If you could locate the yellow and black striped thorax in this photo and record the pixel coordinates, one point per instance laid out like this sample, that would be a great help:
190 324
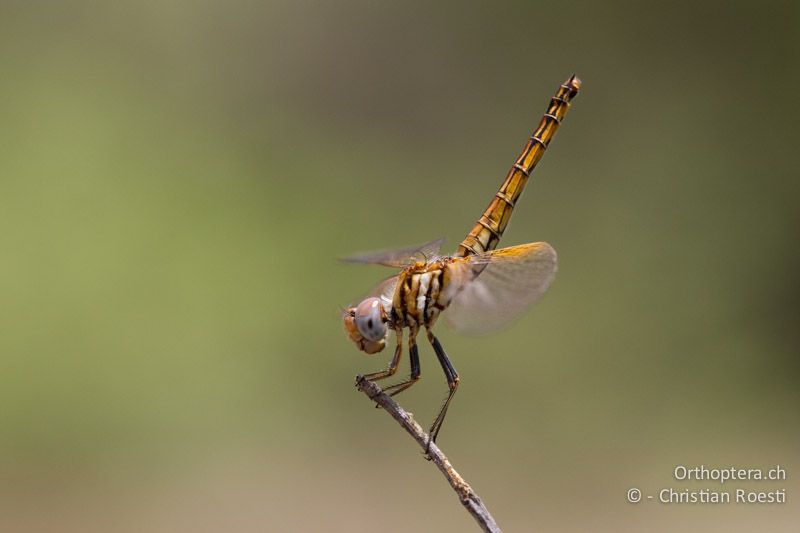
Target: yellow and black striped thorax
423 291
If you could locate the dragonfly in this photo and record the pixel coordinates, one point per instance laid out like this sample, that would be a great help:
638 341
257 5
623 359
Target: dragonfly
479 288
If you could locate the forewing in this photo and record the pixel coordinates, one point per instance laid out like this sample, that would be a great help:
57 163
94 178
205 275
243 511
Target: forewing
511 280
385 289
399 258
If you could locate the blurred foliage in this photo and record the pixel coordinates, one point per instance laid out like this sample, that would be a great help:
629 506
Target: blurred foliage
177 179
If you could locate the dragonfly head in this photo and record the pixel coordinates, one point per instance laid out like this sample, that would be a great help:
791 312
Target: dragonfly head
365 324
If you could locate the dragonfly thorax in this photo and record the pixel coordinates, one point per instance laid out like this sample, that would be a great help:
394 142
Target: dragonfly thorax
424 290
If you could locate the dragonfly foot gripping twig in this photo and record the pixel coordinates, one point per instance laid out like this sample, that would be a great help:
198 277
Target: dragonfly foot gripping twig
469 499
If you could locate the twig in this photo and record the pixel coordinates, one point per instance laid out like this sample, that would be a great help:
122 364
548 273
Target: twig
468 498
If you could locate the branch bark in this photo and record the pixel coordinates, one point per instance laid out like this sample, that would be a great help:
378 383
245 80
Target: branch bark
465 494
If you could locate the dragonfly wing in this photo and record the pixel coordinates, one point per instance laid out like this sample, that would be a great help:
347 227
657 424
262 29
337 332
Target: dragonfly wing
510 281
383 290
399 258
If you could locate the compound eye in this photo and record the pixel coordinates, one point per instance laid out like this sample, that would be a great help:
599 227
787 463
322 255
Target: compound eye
369 320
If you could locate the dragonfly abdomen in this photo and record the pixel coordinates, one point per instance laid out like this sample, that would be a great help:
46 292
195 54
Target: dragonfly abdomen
490 227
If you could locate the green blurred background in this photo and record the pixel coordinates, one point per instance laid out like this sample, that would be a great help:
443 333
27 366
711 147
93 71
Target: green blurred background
177 179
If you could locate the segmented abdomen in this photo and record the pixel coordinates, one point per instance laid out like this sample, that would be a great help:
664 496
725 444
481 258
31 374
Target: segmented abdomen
490 227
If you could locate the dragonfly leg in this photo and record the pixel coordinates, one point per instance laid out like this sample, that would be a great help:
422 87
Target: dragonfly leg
452 382
398 351
413 352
